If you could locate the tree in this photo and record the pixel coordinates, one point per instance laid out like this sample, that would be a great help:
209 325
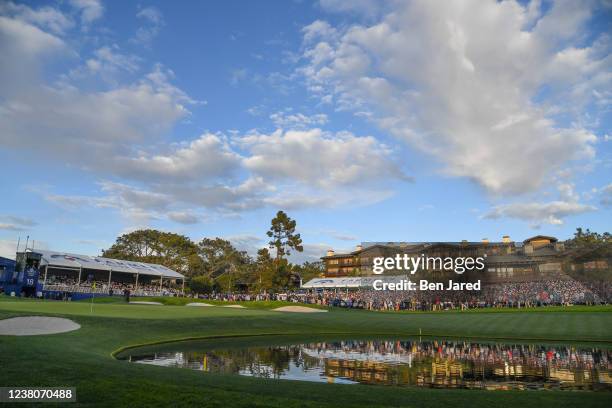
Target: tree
284 239
589 247
174 251
201 284
584 238
224 263
283 236
309 270
264 270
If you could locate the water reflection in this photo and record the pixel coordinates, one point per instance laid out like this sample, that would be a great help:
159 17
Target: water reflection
435 364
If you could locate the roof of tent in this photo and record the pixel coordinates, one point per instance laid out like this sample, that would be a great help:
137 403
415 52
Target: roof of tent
350 282
67 260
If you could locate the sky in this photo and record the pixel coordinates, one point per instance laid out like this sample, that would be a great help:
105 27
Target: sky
363 120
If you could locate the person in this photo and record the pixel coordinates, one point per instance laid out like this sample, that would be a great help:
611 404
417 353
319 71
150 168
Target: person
126 292
110 292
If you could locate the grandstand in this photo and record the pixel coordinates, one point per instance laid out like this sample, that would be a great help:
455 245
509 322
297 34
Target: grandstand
52 273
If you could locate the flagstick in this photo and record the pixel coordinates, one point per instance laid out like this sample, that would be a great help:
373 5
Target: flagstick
93 295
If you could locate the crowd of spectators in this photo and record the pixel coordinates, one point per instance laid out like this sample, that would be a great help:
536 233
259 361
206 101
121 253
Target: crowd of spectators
516 294
246 297
66 284
521 294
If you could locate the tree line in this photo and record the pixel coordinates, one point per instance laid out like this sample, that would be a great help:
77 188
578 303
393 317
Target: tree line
214 264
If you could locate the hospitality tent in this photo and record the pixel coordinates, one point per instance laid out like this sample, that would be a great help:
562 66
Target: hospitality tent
75 262
350 282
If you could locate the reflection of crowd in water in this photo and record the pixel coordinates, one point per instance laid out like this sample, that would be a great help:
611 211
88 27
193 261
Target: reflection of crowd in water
493 353
464 364
522 294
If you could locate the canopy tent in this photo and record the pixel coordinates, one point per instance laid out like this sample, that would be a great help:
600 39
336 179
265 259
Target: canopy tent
75 261
350 282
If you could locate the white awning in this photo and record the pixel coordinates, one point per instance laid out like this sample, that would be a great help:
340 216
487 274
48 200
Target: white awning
350 282
68 260
333 283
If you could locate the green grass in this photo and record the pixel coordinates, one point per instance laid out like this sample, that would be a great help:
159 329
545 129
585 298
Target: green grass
84 358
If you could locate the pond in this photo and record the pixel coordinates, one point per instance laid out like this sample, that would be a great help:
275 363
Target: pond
442 363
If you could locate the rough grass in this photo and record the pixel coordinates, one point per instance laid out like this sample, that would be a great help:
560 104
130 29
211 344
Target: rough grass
83 358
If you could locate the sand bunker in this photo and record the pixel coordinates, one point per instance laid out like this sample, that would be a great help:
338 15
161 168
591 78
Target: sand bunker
299 309
197 304
144 303
235 306
36 325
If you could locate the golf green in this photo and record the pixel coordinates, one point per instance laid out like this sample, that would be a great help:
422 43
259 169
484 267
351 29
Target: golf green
84 358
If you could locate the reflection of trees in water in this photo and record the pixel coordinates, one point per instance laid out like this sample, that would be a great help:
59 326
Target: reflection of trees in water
268 362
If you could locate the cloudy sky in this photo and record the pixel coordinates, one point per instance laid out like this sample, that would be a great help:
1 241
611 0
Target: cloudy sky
364 120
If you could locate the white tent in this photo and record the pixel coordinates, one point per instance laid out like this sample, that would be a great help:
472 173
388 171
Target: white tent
350 282
74 261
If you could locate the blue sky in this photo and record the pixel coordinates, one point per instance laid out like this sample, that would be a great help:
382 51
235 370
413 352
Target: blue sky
365 121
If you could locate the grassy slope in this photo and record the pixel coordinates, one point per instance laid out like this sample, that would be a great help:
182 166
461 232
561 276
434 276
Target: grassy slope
83 358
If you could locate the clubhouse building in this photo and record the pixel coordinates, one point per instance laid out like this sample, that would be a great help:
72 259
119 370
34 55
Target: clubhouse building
537 258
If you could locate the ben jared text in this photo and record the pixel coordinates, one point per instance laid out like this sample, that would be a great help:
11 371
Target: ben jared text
423 284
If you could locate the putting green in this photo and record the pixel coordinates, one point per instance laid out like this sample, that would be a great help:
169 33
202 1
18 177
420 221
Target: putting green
83 358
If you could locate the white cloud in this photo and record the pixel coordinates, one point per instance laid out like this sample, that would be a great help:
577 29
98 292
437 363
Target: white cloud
606 195
320 159
183 217
154 21
538 213
25 40
126 196
90 10
434 75
117 130
207 157
43 17
108 59
74 122
567 193
152 14
19 221
318 29
341 236
287 119
14 223
134 204
333 170
10 227
8 247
